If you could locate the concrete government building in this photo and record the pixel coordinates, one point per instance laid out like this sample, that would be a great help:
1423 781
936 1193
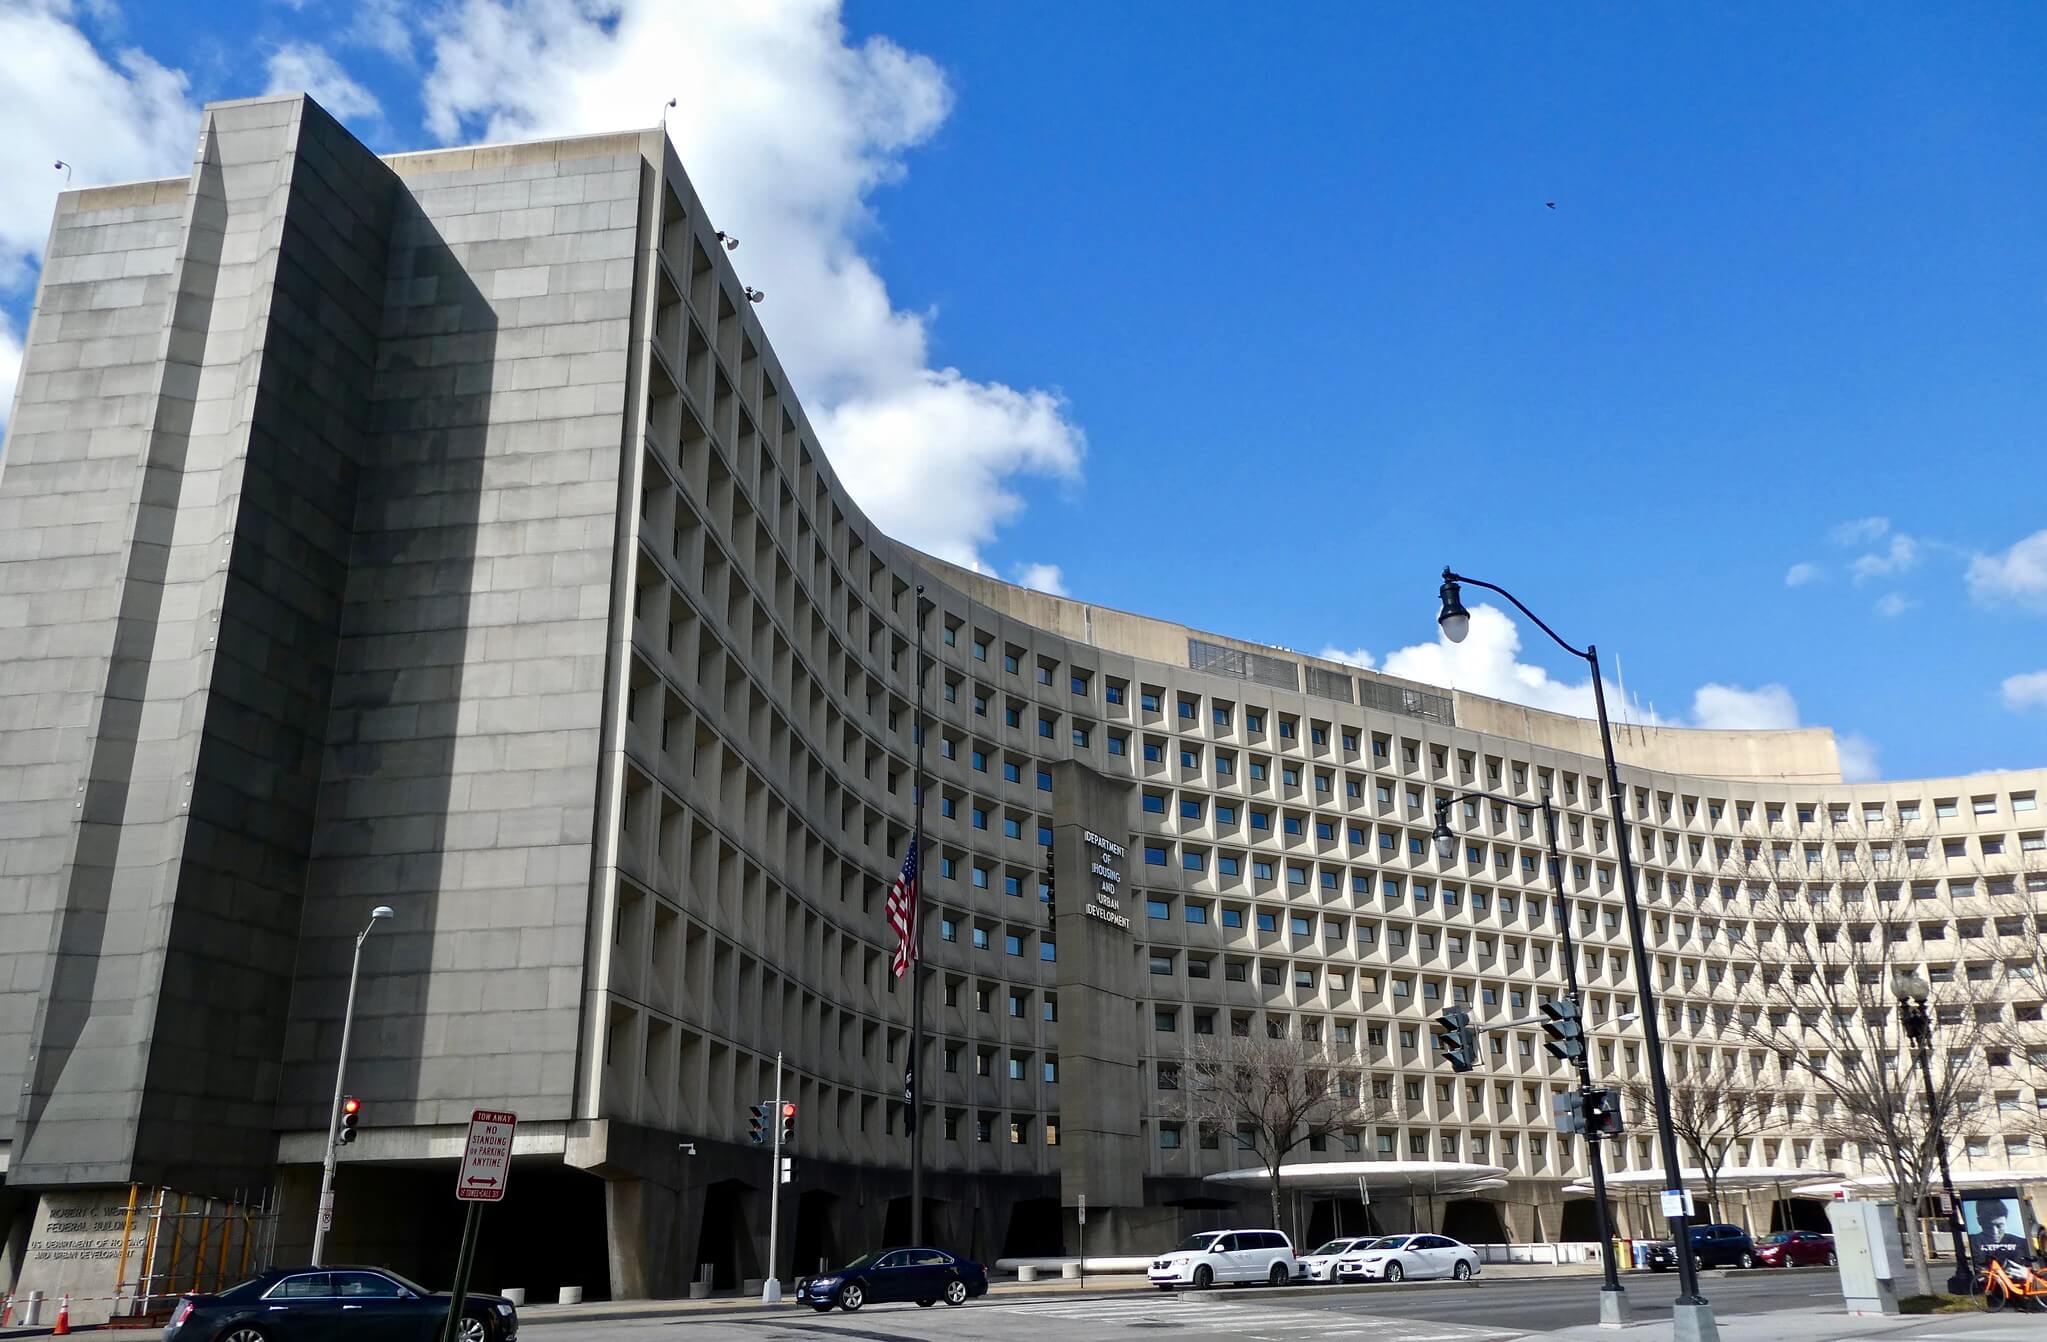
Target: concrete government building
439 530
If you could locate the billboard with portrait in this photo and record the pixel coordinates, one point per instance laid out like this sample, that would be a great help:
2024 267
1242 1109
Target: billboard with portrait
1995 1221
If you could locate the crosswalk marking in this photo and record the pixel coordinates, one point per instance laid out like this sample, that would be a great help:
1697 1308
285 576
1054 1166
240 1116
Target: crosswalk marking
1260 1323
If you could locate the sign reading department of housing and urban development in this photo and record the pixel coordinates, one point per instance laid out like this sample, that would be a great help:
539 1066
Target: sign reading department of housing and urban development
1105 897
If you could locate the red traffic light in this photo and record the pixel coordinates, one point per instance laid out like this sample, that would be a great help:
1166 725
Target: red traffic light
350 1107
789 1110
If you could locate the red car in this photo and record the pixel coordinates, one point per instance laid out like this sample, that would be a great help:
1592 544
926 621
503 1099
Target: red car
1796 1248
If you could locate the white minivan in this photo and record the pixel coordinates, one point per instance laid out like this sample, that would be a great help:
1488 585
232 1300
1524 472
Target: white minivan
1213 1257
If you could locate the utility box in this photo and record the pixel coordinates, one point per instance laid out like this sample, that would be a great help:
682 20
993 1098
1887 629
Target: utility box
1866 1247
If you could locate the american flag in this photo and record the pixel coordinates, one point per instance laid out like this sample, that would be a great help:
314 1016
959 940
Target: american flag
901 911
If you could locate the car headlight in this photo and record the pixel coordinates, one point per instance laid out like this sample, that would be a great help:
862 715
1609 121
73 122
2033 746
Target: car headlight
822 1282
505 1308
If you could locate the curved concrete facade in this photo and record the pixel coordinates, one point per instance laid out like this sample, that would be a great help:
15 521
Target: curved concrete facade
612 692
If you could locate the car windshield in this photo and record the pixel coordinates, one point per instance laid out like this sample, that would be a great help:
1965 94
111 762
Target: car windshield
864 1260
1777 1239
1333 1247
1386 1242
1198 1243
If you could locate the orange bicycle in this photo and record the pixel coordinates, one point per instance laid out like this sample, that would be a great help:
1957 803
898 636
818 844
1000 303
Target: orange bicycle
2013 1284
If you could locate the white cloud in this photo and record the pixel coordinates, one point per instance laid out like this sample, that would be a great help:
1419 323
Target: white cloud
1351 657
787 129
113 120
2019 574
1798 575
1732 708
302 67
2025 691
381 25
10 368
1893 604
1486 663
1861 531
1858 758
1901 557
1042 577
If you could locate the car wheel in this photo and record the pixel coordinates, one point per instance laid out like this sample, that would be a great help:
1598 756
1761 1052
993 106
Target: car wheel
246 1332
955 1292
852 1298
1394 1272
1831 1259
1276 1277
1747 1259
1203 1278
1462 1271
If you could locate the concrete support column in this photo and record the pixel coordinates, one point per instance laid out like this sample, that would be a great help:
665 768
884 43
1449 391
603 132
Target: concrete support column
646 1240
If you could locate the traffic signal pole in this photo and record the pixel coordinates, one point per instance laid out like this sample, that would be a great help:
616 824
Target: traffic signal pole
771 1290
325 1216
1565 1025
1613 1298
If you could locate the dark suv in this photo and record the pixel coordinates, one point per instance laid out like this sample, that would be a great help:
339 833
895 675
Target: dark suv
1712 1246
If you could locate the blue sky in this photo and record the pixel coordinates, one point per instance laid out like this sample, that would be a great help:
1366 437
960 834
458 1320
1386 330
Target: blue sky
1254 317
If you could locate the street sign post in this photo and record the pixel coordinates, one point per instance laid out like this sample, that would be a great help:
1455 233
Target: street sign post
487 1158
486 1168
1081 1267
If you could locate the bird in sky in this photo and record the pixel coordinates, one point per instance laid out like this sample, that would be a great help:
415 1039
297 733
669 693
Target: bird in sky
1552 204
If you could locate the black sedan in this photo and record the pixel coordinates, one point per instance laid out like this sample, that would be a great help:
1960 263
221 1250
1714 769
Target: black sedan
926 1276
335 1304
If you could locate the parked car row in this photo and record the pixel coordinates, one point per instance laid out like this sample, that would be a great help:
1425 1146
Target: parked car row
1722 1245
1239 1257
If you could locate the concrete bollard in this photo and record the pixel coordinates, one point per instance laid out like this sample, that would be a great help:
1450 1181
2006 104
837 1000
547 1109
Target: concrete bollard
32 1312
572 1295
1027 1273
752 1285
1070 1271
515 1294
700 1290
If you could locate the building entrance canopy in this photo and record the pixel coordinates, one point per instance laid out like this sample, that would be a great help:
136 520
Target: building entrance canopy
1735 1180
1399 1178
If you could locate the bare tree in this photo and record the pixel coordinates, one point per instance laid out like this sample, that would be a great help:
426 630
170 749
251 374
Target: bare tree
1713 1114
1275 1093
1841 913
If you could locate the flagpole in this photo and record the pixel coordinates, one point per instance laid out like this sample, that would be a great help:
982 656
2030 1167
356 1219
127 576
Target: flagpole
911 1082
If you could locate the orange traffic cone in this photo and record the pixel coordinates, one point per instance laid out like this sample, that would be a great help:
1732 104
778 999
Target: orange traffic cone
63 1328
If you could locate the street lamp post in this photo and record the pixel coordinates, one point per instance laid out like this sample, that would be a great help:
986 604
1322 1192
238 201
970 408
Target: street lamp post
1692 1317
1613 1298
326 1212
1912 992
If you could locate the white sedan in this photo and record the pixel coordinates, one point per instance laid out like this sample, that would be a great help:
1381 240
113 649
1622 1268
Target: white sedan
1408 1257
1321 1264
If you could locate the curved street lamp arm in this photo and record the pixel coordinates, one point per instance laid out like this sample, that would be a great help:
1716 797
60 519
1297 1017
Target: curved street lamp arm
1555 637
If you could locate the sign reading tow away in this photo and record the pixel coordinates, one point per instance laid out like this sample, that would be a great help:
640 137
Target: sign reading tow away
487 1159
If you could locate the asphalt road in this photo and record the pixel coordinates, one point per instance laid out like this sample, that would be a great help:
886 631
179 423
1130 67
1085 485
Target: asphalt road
1417 1312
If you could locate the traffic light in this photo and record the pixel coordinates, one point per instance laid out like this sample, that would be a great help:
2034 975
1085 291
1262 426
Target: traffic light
757 1123
1570 1112
788 1122
1603 1113
351 1114
1457 1041
1565 1028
